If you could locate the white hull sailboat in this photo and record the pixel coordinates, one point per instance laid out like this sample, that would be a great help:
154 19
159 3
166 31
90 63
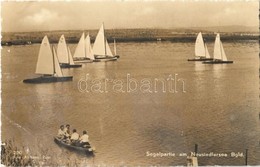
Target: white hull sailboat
84 52
101 48
64 55
219 53
48 66
201 50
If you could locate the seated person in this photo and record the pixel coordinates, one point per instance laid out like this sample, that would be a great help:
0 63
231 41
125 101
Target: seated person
67 131
83 140
61 133
74 137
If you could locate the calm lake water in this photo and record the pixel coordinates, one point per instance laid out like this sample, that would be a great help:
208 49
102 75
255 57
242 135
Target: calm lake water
219 110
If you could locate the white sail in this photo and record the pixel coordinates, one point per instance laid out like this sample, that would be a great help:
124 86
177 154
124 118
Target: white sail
89 51
71 62
101 47
199 46
224 57
62 51
57 69
115 47
80 49
99 44
109 53
207 51
45 58
217 48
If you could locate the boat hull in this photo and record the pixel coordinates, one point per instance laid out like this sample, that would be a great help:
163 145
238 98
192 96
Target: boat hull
70 65
84 61
104 60
202 59
106 57
81 150
48 79
217 62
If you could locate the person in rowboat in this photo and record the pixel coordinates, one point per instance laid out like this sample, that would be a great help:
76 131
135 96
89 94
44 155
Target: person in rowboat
61 132
67 131
74 137
83 140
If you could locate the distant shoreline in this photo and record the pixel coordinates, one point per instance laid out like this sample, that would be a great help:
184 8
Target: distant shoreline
123 35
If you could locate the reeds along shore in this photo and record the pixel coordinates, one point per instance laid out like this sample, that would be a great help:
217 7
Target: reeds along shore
11 155
126 35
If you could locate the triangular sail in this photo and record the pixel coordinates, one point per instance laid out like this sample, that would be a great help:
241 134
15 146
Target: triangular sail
199 46
115 47
71 62
80 49
101 47
207 52
224 57
89 51
62 51
99 44
109 53
45 58
57 69
217 48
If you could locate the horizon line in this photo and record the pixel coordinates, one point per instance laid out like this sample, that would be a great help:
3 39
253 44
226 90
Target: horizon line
118 28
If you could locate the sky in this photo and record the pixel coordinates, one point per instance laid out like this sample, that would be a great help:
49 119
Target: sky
85 15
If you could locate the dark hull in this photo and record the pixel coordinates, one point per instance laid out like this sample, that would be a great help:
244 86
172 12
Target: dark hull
202 59
70 66
81 150
48 79
217 62
117 56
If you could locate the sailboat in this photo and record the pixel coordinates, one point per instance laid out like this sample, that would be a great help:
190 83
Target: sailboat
65 58
115 49
101 48
219 53
48 66
201 50
84 52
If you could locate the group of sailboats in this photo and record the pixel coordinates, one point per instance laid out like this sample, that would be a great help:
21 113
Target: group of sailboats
49 63
202 53
101 51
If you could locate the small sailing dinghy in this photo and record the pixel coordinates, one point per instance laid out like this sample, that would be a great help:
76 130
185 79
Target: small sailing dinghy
117 56
64 56
201 50
101 48
83 150
219 53
48 66
84 52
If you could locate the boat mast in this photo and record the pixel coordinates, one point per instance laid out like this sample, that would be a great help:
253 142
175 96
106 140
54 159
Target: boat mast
54 72
115 46
220 48
204 46
68 54
104 39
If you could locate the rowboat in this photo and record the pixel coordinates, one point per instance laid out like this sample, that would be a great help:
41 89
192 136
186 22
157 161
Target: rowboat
82 150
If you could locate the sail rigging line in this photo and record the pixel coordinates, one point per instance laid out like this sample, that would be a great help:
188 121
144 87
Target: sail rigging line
54 69
115 46
105 40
